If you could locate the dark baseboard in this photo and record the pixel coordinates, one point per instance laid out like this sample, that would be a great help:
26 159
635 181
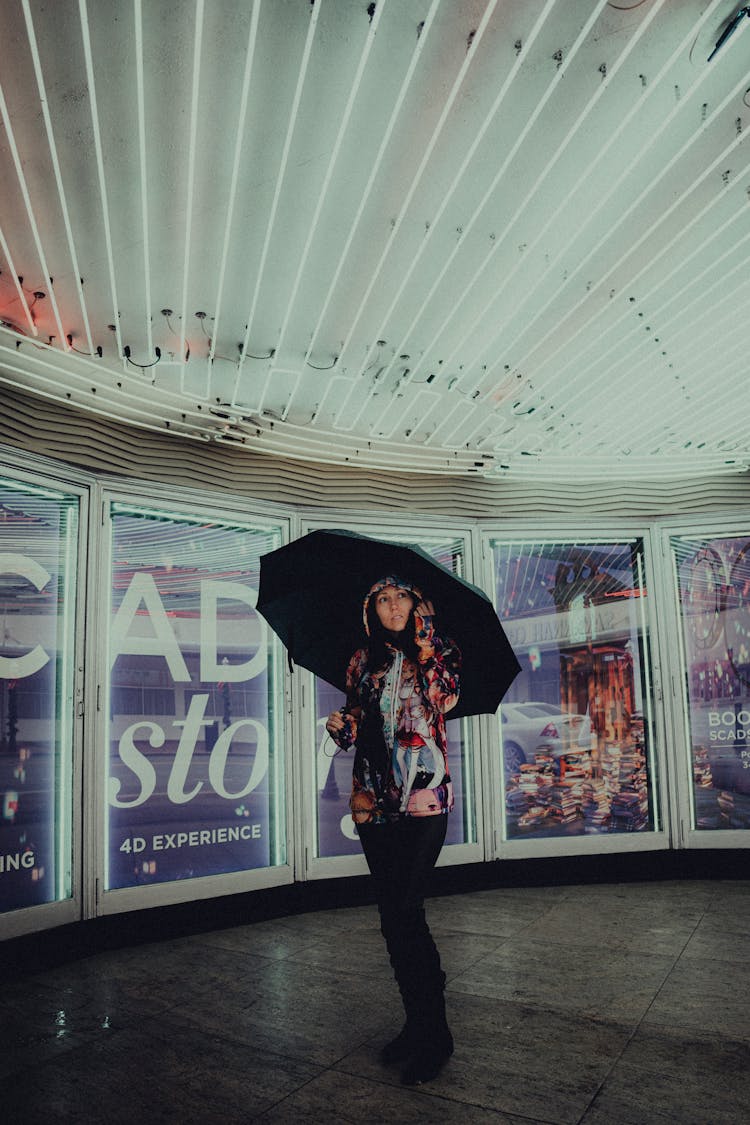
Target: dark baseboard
38 951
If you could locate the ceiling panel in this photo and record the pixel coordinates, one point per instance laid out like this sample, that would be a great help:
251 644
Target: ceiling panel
495 238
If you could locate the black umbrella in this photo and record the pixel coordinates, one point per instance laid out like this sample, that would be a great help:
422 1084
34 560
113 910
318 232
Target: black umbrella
311 594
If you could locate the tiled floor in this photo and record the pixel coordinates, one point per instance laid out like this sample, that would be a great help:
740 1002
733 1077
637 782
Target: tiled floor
598 1004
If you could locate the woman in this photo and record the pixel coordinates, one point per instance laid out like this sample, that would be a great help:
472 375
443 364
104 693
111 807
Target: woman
398 691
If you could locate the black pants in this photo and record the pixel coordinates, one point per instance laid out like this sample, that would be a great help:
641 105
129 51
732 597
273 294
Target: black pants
401 856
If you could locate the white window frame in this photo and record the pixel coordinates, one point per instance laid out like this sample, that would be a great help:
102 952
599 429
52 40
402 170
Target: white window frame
716 526
382 525
193 505
554 531
38 474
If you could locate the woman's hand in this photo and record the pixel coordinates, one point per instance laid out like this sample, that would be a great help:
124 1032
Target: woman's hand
424 628
342 727
335 723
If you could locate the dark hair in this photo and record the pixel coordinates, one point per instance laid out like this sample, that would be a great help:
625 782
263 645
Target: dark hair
378 653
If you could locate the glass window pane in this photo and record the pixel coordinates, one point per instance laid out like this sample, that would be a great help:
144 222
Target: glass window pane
38 545
195 780
713 589
576 725
336 833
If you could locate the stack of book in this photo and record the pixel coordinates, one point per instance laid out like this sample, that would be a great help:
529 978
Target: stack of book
563 804
545 763
578 761
702 767
516 804
528 781
610 765
596 803
725 801
577 770
629 812
534 817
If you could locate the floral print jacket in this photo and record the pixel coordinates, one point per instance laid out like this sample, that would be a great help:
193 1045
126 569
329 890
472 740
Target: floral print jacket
397 727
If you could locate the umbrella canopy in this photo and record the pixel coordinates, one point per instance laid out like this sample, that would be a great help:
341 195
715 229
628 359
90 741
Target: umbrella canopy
311 594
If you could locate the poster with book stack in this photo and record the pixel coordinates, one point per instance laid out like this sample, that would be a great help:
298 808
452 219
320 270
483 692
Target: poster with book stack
713 577
576 728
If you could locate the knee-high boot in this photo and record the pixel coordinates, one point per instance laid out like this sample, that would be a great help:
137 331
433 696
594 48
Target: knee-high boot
394 933
430 1038
425 1041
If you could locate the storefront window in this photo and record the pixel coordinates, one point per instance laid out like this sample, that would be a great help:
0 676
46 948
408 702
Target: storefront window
195 782
576 725
336 833
38 544
713 588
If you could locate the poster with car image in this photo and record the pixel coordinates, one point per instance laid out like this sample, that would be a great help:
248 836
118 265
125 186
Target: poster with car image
713 590
576 726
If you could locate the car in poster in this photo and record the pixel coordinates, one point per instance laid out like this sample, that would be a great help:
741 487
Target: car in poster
537 727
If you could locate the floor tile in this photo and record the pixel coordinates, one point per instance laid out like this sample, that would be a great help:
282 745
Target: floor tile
521 1061
665 1075
730 912
151 1074
499 917
348 1100
53 1013
621 924
705 995
273 939
604 983
718 942
362 951
305 1011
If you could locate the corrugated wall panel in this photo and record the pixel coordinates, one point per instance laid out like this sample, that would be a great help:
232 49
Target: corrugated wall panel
101 446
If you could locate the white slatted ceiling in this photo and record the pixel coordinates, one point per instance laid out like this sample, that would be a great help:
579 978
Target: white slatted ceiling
44 428
493 238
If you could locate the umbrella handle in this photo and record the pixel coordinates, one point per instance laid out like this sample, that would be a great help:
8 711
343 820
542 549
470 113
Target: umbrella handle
289 660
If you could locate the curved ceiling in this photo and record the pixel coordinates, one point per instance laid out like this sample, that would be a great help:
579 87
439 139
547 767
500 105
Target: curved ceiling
499 238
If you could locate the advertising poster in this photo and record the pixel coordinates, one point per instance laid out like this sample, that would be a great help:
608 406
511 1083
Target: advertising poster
336 833
38 542
195 784
576 725
713 578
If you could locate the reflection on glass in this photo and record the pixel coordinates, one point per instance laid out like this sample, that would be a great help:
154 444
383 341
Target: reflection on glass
713 588
576 725
38 543
336 834
195 780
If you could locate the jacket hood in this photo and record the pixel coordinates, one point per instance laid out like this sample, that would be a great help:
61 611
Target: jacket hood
388 580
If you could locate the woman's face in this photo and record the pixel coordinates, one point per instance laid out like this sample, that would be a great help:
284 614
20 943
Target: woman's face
393 606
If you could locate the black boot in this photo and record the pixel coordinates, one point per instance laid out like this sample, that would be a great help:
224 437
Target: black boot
399 1048
428 1060
432 1045
425 1043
